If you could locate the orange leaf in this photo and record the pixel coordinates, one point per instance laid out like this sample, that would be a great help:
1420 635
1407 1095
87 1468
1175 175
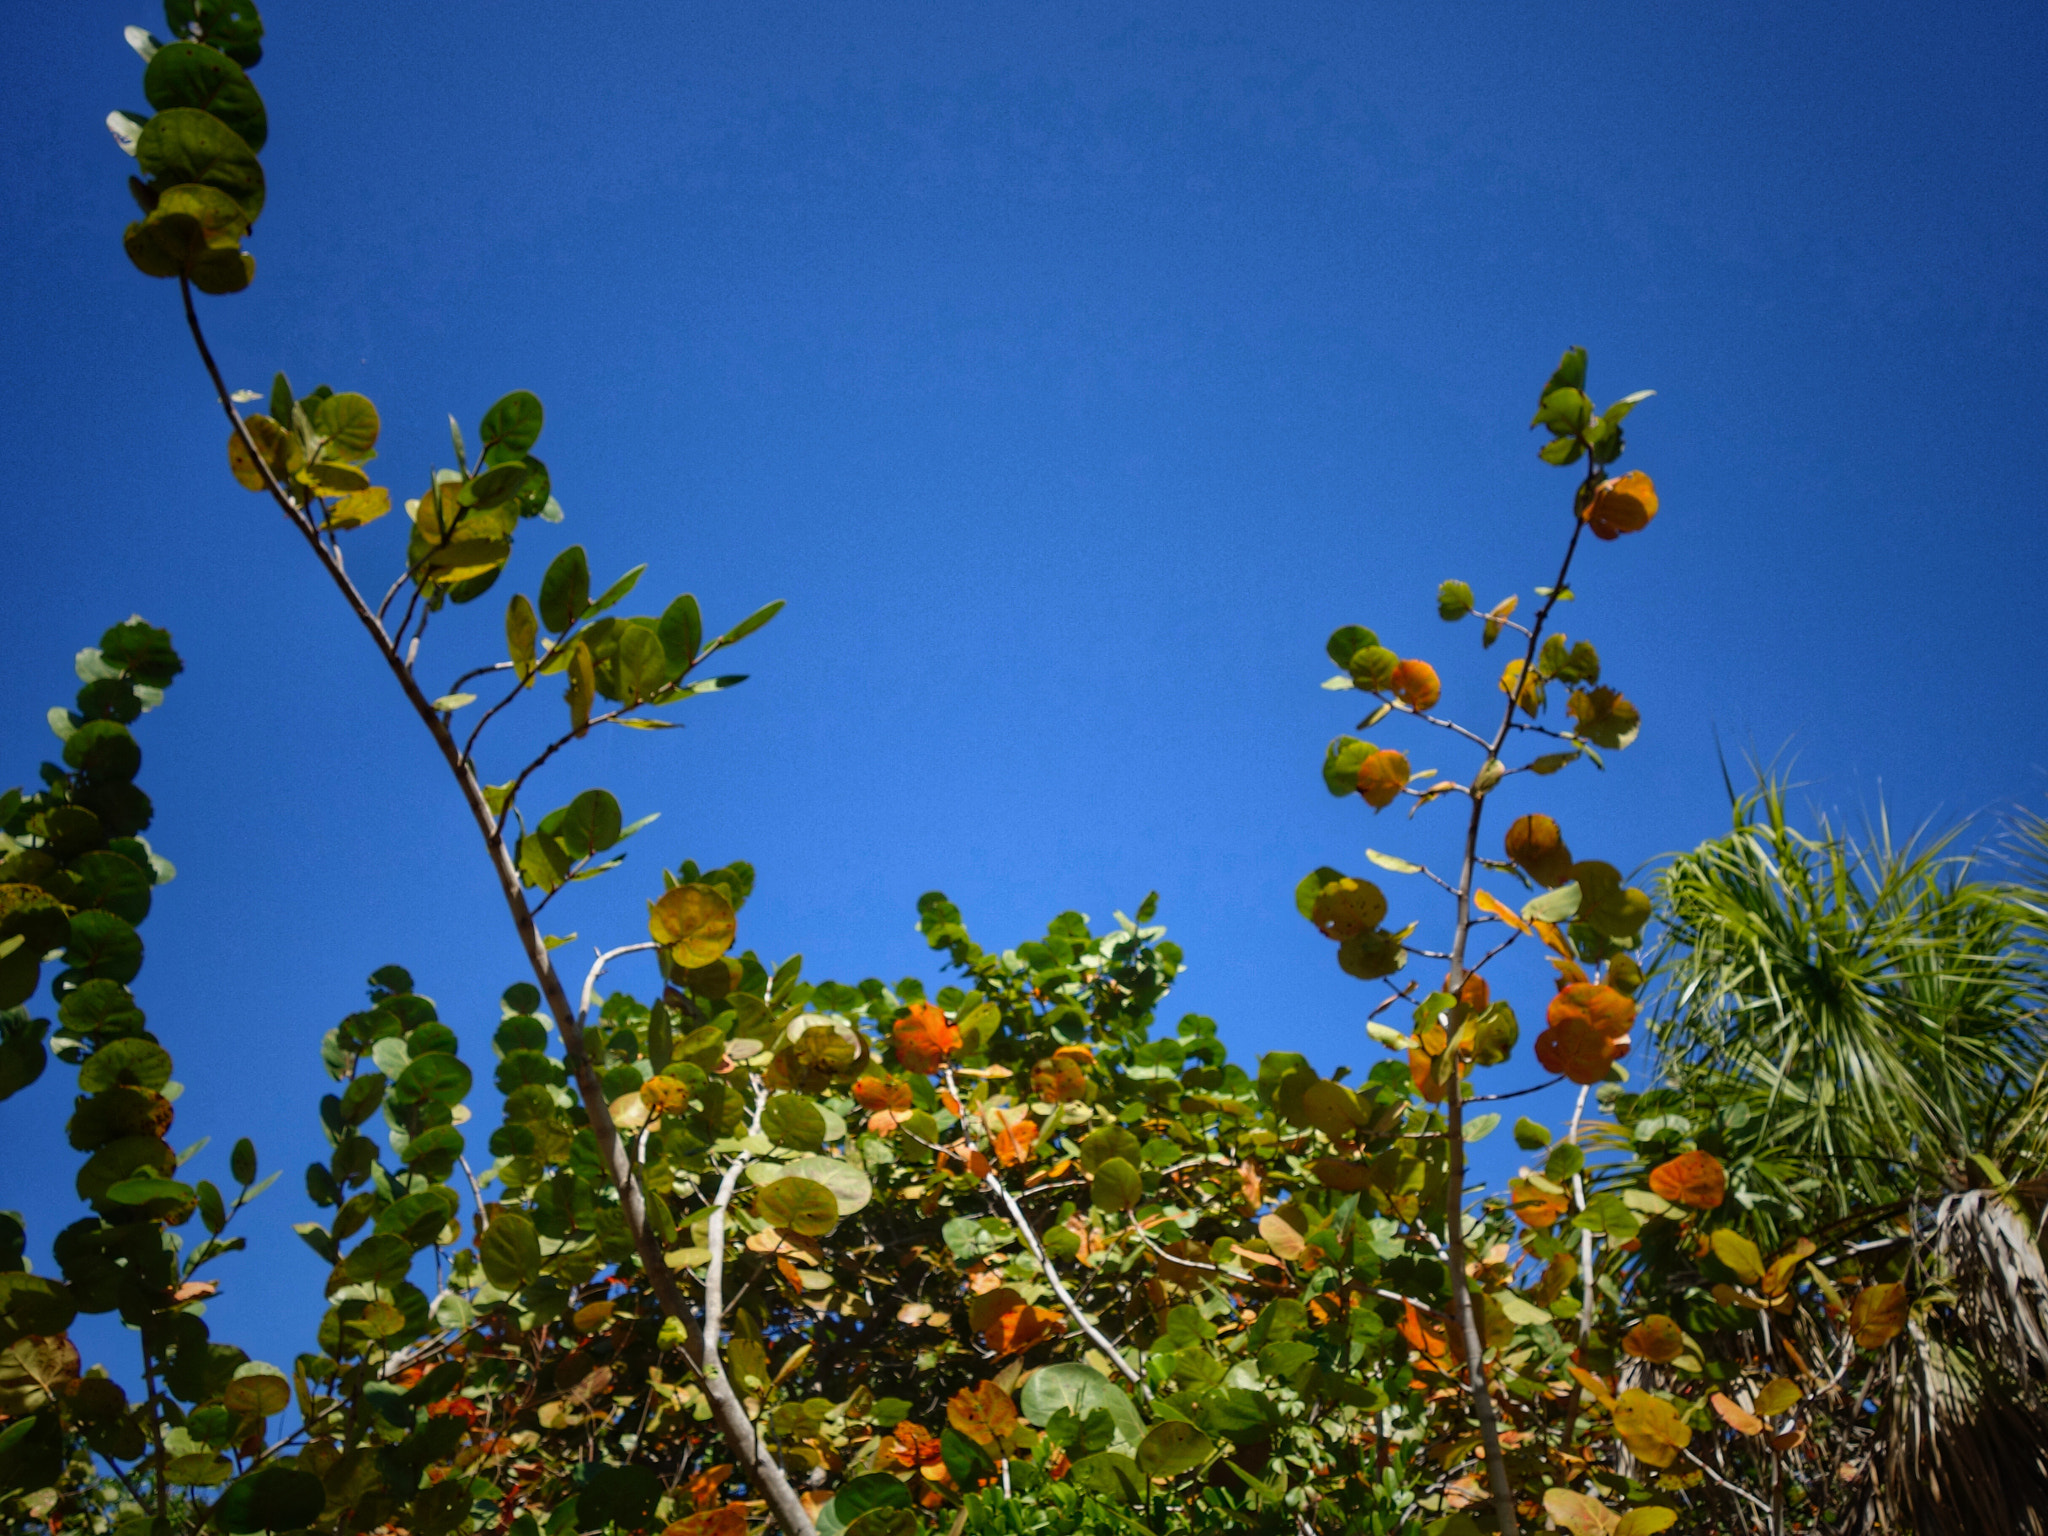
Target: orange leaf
1534 843
1696 1179
1735 1416
1426 1339
1415 684
1784 1265
1493 906
1621 506
1537 1207
1878 1315
1383 776
1596 1388
1014 1139
663 1094
1058 1080
1578 1052
924 1039
912 1447
1650 1427
983 1413
1656 1338
1474 994
1601 1009
1022 1327
875 1093
729 1521
1578 1513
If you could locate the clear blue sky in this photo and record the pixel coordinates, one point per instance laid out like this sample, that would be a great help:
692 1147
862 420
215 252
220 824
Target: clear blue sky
1072 371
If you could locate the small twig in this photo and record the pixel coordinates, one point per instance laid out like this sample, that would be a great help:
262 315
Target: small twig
995 1186
597 969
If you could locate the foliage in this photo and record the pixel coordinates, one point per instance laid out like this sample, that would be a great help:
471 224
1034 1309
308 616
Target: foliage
1006 1254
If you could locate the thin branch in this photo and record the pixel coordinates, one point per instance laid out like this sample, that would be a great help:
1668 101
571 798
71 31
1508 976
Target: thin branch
730 1414
597 969
995 1186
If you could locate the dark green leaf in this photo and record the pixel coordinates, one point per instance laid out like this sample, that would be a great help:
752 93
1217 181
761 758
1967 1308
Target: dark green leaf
565 590
188 75
186 145
511 426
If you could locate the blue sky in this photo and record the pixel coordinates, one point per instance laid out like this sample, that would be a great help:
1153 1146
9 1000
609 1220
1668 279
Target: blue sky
1072 371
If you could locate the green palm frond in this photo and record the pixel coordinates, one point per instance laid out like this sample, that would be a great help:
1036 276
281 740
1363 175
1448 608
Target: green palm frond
1861 1014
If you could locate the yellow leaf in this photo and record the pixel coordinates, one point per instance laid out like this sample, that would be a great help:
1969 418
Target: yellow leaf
694 923
1650 1427
1739 1254
1778 1396
1879 1314
1579 1513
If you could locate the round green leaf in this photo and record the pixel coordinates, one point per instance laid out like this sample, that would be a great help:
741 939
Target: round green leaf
112 882
437 1076
350 424
103 946
188 145
791 1120
104 749
511 427
381 1259
510 1251
798 1205
1112 1476
1081 1390
850 1188
1116 1186
188 75
273 1499
136 1063
257 1396
858 1496
1172 1448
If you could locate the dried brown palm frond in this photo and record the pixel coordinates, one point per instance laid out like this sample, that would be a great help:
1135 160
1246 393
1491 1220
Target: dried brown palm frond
1964 1423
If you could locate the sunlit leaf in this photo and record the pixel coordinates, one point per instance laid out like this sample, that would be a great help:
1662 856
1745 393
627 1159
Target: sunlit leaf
1879 1314
1346 906
1696 1179
1415 684
695 923
1382 777
1622 505
1739 1254
1604 717
1535 844
924 1038
1650 1427
1656 1338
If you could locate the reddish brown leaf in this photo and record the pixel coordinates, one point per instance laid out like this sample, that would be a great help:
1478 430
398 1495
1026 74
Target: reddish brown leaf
1656 1338
1382 777
924 1038
1415 684
1696 1179
1534 843
1735 1416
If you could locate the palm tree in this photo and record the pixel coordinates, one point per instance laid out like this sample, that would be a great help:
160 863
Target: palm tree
1858 1027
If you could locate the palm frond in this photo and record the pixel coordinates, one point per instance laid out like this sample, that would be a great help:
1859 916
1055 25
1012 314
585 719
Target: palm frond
1859 1012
